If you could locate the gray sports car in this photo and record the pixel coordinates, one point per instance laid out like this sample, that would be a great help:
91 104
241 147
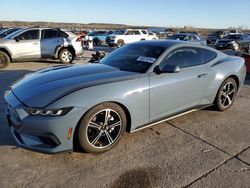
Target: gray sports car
136 86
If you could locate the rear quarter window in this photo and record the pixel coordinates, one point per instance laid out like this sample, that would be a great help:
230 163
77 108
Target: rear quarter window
62 34
208 55
49 33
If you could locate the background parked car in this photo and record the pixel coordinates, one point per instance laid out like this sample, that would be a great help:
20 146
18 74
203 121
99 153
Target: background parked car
6 32
99 37
169 32
190 32
225 34
236 32
121 37
237 42
37 44
212 37
2 29
189 37
152 36
81 34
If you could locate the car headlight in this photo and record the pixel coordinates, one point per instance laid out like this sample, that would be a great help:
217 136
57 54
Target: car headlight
232 42
47 112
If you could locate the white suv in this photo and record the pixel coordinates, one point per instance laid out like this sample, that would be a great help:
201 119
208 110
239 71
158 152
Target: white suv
39 43
121 37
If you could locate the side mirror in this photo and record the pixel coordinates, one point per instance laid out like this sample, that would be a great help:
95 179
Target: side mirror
16 39
167 69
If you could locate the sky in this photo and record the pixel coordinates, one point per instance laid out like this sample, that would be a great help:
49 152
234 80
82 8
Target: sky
165 13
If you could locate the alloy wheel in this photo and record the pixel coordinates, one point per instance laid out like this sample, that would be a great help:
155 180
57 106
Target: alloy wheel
227 94
104 128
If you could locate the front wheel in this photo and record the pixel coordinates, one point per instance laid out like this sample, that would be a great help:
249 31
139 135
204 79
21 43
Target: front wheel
102 127
226 94
66 56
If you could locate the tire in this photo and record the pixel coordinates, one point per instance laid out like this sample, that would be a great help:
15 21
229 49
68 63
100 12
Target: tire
4 60
96 136
226 94
120 43
66 56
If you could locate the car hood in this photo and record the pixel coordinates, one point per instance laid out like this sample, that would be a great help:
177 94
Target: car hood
226 40
45 86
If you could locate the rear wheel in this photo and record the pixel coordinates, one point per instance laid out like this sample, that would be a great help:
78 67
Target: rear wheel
4 60
120 43
102 127
226 94
66 56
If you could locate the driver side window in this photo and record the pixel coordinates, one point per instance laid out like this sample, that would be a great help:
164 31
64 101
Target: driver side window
183 57
29 35
129 33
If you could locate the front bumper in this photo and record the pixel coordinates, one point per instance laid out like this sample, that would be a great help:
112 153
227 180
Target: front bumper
110 41
223 46
42 133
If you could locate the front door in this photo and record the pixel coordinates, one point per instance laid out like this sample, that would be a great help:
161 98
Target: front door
129 37
171 93
26 46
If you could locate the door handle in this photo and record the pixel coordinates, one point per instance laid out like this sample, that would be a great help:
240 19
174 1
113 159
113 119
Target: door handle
35 43
202 75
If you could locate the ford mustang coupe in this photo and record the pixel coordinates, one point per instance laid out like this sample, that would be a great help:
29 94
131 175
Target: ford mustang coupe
136 86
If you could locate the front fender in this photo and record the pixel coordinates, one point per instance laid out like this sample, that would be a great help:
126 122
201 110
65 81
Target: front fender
133 94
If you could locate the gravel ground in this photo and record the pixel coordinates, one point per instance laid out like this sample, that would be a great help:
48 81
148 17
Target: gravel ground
202 149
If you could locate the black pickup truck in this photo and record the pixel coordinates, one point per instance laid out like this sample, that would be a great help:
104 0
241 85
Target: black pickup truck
237 42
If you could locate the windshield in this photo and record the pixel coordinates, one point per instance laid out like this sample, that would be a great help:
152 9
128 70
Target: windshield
10 36
233 36
133 57
177 37
119 32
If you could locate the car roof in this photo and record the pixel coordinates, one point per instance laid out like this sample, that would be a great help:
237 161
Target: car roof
41 28
191 34
171 43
